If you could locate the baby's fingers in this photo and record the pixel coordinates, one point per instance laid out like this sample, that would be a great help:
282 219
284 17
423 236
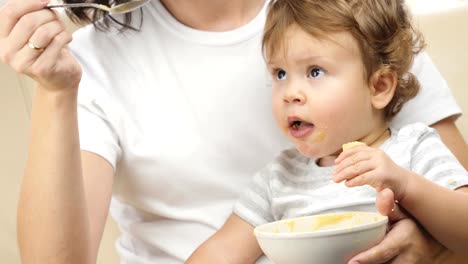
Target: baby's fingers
368 177
352 167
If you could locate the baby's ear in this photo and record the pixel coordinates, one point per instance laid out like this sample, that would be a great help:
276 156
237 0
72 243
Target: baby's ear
382 84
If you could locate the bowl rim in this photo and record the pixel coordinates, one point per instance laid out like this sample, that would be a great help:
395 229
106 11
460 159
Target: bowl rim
320 233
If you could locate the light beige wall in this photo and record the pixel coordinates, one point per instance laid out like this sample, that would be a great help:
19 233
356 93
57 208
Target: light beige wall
445 34
13 137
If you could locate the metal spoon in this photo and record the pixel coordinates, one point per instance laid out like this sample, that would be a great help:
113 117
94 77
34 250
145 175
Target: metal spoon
117 9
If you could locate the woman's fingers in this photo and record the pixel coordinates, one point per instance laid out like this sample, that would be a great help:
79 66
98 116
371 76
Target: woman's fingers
41 39
386 250
14 10
20 20
392 248
46 33
33 41
404 243
56 69
29 25
49 57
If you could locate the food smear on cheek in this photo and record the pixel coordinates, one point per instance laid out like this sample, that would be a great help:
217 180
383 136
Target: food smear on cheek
320 137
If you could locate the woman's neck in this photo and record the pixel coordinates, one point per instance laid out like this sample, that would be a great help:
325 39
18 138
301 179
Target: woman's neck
214 15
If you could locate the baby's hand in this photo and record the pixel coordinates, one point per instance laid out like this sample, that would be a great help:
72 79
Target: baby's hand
361 164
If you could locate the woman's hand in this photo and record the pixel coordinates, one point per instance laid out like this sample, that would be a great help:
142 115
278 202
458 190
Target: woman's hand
405 243
33 41
364 165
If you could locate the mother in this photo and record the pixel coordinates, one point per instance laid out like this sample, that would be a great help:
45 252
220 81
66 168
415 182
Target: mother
173 119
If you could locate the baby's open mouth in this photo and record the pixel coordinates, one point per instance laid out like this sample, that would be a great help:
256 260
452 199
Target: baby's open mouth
299 127
296 123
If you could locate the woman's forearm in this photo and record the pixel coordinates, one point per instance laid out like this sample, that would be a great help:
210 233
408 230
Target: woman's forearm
52 216
441 211
453 138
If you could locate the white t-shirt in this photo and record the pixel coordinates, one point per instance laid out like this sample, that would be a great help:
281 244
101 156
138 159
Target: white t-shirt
184 117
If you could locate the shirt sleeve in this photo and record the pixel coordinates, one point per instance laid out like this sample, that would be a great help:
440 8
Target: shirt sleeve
254 205
98 118
433 160
434 101
97 134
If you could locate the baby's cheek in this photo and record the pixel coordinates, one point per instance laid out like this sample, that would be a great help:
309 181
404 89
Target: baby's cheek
278 113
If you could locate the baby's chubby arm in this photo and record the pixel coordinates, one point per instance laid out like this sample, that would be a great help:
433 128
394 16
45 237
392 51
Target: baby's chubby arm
441 211
233 243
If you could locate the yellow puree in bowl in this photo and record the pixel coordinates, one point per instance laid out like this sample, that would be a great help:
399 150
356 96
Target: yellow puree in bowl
330 220
323 221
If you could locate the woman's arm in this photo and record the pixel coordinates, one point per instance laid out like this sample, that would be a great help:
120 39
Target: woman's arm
61 210
233 243
65 195
52 207
452 137
447 256
53 196
98 178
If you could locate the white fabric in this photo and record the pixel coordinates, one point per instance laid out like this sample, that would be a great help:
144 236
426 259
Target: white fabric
293 185
184 116
434 101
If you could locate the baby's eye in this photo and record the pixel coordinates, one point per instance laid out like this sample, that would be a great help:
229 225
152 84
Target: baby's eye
281 75
316 72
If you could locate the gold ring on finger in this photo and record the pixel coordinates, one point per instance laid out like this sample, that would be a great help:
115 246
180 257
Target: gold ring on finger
34 47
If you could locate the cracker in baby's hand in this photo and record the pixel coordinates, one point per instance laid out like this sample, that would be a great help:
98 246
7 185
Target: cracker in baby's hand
352 145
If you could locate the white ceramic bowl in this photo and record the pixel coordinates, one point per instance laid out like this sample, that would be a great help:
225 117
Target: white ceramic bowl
321 239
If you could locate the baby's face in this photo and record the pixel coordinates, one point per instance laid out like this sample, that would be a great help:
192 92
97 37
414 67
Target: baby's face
321 98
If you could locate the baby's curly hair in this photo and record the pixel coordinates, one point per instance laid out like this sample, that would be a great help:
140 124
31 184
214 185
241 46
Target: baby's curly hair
383 29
